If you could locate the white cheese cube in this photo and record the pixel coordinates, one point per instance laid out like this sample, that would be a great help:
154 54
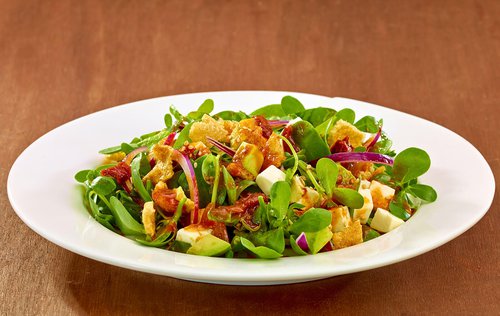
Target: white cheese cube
364 184
309 198
340 218
381 194
302 194
384 221
268 177
191 233
364 212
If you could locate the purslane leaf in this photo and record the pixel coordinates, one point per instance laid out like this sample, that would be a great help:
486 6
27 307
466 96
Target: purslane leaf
410 164
291 105
313 220
424 192
260 251
327 172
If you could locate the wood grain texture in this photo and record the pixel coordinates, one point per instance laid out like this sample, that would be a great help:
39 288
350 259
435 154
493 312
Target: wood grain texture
63 59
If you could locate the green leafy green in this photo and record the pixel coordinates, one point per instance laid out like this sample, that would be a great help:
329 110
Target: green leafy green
207 106
296 248
367 124
308 139
103 185
230 186
270 111
167 119
203 187
81 176
347 115
274 239
424 192
280 199
260 251
183 136
231 115
242 186
137 180
410 164
348 197
327 172
159 241
178 116
103 219
317 116
291 105
124 220
398 211
315 219
371 234
208 169
110 150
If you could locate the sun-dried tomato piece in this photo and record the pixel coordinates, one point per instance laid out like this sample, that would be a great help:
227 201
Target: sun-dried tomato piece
341 146
121 173
244 207
219 230
170 139
261 121
287 133
165 198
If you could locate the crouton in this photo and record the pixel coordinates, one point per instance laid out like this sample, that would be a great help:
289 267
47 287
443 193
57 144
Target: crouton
247 131
148 218
208 127
274 154
343 129
228 125
113 158
163 170
350 236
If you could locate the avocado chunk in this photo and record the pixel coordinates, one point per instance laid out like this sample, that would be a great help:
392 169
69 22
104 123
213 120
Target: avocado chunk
250 157
318 240
210 246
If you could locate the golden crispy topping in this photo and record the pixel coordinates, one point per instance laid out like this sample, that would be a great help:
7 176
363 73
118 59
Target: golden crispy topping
163 170
343 129
208 127
350 236
148 218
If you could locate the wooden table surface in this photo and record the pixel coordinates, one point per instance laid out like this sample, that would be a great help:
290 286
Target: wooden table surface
60 60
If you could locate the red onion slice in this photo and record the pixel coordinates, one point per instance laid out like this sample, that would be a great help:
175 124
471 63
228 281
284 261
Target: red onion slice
277 123
375 139
360 157
188 169
221 146
302 242
131 155
170 139
327 247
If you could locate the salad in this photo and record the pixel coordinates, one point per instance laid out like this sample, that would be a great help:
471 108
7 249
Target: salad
280 181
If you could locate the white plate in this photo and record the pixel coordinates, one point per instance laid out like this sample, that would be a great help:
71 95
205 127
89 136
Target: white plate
42 191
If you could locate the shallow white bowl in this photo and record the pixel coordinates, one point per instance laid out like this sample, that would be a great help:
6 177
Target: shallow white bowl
43 193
